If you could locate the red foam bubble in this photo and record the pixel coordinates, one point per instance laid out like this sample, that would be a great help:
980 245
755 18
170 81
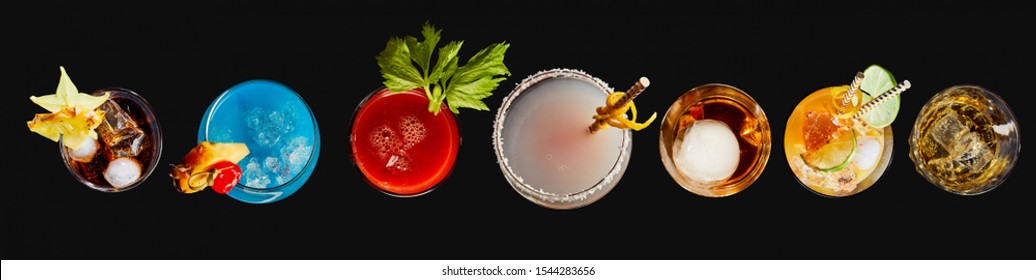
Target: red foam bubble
412 129
386 141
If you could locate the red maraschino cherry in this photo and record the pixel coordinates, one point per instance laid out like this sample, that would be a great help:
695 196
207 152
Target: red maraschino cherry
225 176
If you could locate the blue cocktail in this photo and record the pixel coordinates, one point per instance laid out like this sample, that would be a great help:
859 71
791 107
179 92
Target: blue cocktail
280 131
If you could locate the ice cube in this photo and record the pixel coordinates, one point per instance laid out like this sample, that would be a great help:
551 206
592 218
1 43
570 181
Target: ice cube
947 129
398 163
267 127
868 150
751 133
932 148
280 168
122 172
971 152
295 155
119 132
947 167
275 169
86 152
254 175
272 164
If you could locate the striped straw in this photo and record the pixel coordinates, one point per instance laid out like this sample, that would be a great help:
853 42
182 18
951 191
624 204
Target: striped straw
888 95
855 86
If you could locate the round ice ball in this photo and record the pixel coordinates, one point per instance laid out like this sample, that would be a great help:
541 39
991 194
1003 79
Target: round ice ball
122 172
709 151
86 151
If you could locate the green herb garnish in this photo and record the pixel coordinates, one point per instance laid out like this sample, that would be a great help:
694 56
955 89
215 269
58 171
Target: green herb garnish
406 64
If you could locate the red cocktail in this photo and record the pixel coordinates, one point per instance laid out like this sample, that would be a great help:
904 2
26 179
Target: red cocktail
404 136
399 146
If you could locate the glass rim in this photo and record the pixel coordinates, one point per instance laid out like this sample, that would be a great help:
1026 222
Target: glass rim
583 195
156 134
310 162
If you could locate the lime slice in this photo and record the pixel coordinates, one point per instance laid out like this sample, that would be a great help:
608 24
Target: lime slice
877 80
835 155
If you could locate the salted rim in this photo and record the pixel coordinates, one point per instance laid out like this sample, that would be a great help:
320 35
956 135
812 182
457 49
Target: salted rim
502 160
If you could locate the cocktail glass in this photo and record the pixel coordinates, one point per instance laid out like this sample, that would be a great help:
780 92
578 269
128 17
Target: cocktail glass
280 131
543 147
400 147
728 149
965 140
830 149
129 144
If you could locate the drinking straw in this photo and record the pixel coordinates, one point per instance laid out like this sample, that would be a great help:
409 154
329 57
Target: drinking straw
849 94
615 109
888 95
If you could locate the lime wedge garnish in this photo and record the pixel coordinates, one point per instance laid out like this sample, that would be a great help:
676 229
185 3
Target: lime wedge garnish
835 155
877 80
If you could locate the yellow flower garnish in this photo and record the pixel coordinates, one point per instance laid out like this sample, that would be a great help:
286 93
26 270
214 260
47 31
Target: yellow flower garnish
72 114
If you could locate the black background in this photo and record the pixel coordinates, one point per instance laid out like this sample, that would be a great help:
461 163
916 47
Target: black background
181 56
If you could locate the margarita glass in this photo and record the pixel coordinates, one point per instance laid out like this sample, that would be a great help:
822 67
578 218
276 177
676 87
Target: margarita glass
542 145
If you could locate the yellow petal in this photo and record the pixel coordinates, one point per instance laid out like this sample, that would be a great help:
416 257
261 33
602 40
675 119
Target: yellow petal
74 125
67 95
87 102
65 87
94 117
35 126
72 96
52 103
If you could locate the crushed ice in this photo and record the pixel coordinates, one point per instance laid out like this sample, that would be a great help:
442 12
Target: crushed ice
281 168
